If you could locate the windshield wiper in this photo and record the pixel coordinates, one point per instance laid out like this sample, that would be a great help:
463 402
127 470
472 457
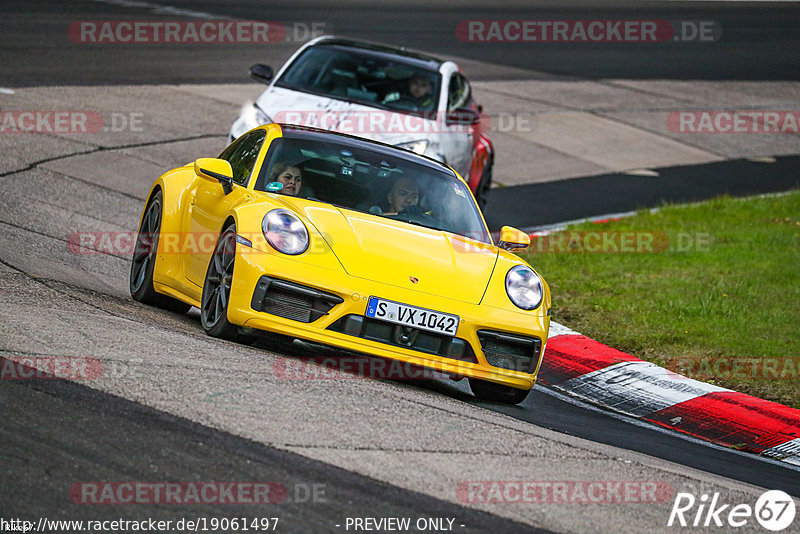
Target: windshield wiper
417 223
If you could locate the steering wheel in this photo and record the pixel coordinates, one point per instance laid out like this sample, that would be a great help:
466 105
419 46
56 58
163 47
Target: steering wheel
418 215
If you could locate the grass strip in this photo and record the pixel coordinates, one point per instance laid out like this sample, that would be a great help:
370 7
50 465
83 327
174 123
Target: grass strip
709 290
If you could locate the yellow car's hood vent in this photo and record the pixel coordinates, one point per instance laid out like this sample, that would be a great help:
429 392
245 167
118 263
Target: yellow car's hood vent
404 255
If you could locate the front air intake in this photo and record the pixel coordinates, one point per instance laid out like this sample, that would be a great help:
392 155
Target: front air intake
510 351
291 300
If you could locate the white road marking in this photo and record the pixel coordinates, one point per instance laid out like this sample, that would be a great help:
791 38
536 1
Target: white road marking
161 9
788 452
558 329
637 388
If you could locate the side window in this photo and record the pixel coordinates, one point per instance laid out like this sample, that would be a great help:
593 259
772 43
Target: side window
242 154
458 92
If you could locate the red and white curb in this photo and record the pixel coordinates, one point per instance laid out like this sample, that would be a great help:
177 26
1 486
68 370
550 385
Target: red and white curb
596 373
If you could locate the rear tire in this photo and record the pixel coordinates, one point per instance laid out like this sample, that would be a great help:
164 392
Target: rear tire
497 392
217 288
143 262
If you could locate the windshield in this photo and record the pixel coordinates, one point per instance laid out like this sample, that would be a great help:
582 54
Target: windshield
370 79
371 181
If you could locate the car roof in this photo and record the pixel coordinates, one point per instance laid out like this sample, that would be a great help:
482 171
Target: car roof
294 131
417 58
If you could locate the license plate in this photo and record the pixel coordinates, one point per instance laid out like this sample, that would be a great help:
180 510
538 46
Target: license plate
395 312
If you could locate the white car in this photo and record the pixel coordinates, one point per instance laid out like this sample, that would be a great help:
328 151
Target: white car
387 94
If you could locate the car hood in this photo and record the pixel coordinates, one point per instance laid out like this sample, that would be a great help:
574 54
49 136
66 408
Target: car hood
403 255
294 107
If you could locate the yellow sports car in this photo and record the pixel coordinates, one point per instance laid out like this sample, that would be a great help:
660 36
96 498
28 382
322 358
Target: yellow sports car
348 242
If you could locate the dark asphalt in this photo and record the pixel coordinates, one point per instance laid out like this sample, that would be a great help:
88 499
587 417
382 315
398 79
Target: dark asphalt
546 203
57 433
575 420
548 411
758 41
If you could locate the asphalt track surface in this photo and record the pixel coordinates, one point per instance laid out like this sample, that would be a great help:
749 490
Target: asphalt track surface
551 410
542 204
85 434
80 430
759 41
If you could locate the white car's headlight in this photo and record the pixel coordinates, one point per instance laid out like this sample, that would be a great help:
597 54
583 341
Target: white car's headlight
285 232
254 116
524 287
261 117
418 147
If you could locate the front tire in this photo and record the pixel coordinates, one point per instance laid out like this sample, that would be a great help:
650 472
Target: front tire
484 184
490 391
217 288
143 262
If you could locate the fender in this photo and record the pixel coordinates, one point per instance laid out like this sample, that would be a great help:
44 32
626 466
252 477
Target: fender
482 156
174 186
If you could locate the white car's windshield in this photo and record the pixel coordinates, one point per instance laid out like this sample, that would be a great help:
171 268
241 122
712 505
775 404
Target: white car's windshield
357 177
379 80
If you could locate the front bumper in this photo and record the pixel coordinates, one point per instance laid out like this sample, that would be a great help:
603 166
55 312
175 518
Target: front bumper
328 306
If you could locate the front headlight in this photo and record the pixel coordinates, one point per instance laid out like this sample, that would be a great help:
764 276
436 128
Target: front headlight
524 287
254 116
285 232
261 117
418 147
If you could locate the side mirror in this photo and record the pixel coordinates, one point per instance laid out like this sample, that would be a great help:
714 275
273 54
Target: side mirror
512 239
463 116
215 170
261 73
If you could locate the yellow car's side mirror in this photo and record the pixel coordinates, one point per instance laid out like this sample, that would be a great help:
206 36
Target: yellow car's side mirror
216 170
513 239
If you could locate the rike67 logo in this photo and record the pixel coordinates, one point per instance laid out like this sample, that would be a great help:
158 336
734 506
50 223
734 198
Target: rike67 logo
774 510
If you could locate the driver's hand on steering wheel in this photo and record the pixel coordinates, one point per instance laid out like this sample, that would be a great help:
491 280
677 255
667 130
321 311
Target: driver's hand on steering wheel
412 210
